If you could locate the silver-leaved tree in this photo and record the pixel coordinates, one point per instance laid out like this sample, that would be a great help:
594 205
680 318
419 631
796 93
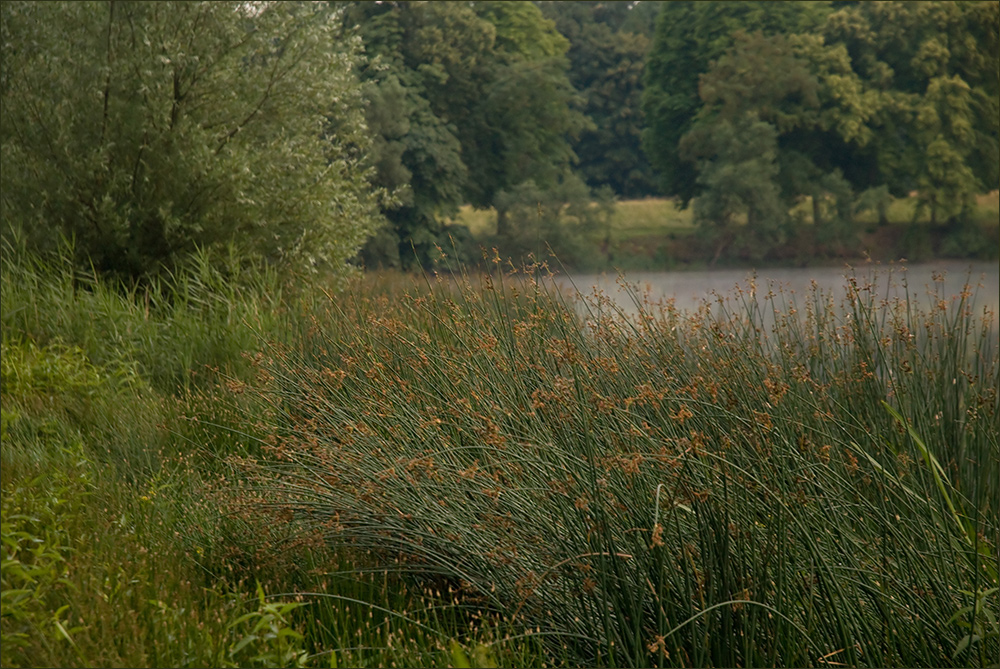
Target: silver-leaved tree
146 130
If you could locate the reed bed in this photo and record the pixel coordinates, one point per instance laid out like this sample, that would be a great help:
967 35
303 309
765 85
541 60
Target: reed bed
118 412
482 470
764 482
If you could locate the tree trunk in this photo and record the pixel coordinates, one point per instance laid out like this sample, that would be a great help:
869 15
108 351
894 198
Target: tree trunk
503 223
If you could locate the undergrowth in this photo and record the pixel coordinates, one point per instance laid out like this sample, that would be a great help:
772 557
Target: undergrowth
120 407
221 469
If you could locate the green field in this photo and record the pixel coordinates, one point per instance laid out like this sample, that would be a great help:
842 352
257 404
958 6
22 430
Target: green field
661 216
655 233
471 472
652 216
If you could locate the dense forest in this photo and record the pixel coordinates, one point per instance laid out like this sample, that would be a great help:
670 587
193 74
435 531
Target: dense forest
304 132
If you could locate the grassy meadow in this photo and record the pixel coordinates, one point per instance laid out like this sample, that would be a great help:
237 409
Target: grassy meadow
224 468
654 233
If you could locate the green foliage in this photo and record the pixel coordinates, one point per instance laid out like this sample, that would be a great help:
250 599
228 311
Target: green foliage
173 331
481 656
771 80
522 32
465 101
56 399
741 205
932 69
26 370
984 625
862 96
876 200
267 640
144 131
689 37
70 599
607 63
37 547
562 221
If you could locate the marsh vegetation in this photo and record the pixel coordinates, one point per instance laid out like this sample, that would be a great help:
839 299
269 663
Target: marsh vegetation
225 471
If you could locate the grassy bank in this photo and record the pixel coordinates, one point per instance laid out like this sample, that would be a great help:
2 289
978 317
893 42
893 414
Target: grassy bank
654 233
235 472
121 435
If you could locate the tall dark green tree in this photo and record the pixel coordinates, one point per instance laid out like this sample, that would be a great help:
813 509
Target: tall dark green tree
607 62
528 113
467 101
785 83
755 92
417 56
689 37
742 210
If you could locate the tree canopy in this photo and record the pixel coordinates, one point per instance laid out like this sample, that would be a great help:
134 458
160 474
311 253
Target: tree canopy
607 54
146 130
466 101
306 131
753 106
689 37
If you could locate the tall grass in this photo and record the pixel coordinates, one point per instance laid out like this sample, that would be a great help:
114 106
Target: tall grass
483 471
118 548
764 482
173 329
99 476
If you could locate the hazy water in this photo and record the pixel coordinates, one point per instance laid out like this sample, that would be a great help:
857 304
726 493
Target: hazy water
689 290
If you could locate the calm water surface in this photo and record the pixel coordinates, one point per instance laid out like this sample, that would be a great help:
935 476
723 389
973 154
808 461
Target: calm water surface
689 290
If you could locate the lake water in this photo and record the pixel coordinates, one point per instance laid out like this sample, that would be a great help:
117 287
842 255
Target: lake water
689 290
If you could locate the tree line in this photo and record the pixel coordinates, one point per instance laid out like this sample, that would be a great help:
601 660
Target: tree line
753 106
319 134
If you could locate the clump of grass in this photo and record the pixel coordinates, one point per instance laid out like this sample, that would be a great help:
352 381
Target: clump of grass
118 548
717 488
36 550
479 471
173 330
91 569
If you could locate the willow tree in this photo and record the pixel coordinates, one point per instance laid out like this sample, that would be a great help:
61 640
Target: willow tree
145 130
